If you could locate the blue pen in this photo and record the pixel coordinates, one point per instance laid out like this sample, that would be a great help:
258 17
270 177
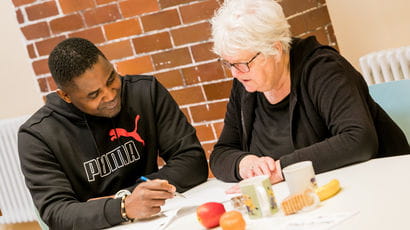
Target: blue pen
143 178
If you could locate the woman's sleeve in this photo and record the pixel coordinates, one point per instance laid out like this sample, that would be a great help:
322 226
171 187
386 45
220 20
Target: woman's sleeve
340 98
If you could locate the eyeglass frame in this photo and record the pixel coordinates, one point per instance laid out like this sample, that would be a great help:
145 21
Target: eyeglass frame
229 65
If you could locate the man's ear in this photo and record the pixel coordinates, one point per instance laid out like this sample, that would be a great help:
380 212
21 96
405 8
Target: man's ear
63 95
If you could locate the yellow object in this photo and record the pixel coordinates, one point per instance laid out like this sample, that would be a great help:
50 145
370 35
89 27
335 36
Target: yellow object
328 190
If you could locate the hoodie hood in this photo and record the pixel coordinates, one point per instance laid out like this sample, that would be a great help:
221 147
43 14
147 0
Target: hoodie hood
68 110
301 51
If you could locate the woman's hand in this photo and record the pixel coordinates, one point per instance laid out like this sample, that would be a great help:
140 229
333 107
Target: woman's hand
252 165
276 176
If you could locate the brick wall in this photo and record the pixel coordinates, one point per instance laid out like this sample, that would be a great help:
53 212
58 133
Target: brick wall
166 38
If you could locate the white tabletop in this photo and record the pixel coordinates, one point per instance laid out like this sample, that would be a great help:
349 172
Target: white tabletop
376 195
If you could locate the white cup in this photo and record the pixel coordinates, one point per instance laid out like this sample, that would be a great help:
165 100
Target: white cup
300 176
258 196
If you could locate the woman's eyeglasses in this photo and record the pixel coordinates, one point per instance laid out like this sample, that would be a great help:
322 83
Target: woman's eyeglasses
243 67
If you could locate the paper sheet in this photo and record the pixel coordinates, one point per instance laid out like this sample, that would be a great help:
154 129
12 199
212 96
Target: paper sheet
218 195
177 207
318 222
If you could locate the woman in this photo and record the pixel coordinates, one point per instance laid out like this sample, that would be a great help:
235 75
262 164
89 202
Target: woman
291 100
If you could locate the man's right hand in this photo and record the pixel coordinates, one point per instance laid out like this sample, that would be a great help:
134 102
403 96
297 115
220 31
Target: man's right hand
147 198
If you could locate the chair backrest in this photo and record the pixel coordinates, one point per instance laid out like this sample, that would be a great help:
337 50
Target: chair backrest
394 98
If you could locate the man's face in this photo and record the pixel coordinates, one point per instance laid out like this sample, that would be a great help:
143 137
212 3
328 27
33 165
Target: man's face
96 92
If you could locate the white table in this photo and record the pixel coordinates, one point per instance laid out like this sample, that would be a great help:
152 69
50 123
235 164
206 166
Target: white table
377 191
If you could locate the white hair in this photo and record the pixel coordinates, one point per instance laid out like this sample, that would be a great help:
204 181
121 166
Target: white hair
249 25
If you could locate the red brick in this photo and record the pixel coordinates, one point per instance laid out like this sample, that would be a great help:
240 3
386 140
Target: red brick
66 23
42 83
171 58
204 133
169 3
203 52
298 25
216 91
188 95
135 66
95 35
218 126
210 112
102 15
42 10
51 83
69 6
40 66
39 30
46 46
160 20
316 18
208 148
189 34
291 7
152 42
122 29
18 3
31 51
117 50
227 72
170 79
100 2
331 33
203 73
198 11
19 16
131 8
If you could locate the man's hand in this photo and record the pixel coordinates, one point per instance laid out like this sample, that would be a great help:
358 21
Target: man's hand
147 198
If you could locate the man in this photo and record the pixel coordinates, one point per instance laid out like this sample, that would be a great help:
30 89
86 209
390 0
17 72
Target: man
96 135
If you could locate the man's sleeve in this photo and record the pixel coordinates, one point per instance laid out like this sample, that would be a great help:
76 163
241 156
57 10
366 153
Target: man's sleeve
186 165
53 195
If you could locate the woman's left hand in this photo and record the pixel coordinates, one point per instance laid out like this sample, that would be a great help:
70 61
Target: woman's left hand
275 175
252 165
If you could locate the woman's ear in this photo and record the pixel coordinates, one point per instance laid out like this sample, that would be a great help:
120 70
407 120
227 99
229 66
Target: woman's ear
279 48
63 95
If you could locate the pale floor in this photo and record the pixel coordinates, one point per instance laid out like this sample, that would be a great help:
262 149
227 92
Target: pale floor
21 226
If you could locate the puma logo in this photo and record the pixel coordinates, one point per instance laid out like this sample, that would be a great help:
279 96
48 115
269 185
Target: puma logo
119 132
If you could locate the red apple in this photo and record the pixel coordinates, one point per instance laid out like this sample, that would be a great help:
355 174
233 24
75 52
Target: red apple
209 213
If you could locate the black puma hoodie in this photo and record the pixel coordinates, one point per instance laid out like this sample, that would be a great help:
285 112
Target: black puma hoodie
68 157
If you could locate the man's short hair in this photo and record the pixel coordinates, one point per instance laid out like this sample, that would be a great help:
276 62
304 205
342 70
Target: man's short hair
70 59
